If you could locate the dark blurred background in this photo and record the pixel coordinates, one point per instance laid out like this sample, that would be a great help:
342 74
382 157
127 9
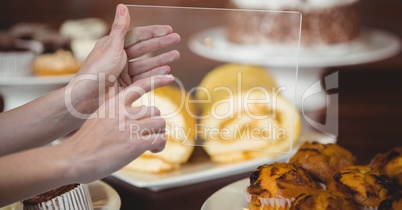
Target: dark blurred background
370 98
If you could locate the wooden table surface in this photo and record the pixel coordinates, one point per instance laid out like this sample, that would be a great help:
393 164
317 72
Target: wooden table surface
370 103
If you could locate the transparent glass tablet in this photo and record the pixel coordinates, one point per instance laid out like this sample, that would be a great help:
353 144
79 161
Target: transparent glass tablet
230 103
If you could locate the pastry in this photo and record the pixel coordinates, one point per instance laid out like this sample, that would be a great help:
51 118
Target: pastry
59 63
75 196
276 185
16 55
244 116
28 30
84 33
322 200
52 41
175 107
325 22
322 160
390 164
366 186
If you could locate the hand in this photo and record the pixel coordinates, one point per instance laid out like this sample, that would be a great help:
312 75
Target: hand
112 53
104 145
143 40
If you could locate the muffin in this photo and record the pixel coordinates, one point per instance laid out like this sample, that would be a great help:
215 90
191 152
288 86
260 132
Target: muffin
52 41
48 37
322 200
59 63
16 55
27 30
391 204
390 164
367 187
322 160
276 185
74 196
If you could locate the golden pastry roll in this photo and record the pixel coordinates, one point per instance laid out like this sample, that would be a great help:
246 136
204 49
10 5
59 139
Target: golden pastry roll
175 108
244 116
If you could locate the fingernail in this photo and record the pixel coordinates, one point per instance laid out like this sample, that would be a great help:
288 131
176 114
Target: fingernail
169 76
167 40
162 71
120 9
161 32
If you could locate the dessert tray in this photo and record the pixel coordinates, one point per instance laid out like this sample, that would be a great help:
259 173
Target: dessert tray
372 45
103 196
200 168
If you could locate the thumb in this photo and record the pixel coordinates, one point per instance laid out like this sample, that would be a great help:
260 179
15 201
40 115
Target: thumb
120 26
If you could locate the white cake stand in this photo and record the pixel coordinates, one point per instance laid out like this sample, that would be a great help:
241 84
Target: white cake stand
17 91
283 63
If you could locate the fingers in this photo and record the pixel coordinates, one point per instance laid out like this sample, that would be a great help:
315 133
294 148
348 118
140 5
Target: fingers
152 44
151 125
161 70
143 112
142 86
149 133
140 34
120 26
143 65
154 142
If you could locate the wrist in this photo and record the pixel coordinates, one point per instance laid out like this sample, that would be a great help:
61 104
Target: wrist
81 95
68 164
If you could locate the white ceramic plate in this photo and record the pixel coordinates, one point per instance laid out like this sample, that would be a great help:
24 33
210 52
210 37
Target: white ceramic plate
200 168
35 80
229 197
17 91
373 45
103 196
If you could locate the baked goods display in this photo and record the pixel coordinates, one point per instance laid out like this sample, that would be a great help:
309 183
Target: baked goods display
350 186
31 48
390 164
48 36
175 107
58 63
322 160
243 116
325 22
16 55
322 200
276 185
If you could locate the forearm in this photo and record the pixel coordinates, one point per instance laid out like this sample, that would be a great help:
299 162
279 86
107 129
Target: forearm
45 119
32 172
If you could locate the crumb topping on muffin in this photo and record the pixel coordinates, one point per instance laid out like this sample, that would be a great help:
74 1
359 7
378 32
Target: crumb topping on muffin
322 160
367 187
280 180
390 164
61 62
323 200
